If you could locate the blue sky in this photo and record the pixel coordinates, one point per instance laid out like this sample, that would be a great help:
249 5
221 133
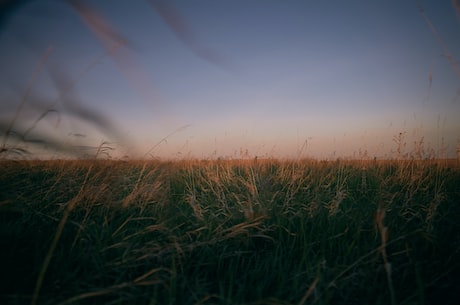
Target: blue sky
274 78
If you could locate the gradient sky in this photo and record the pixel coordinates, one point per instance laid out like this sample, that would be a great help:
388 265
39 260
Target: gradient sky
321 79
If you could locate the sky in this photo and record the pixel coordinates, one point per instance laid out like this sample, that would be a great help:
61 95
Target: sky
231 79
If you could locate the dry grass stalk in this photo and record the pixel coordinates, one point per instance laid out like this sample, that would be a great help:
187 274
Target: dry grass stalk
379 217
32 81
56 238
441 42
311 290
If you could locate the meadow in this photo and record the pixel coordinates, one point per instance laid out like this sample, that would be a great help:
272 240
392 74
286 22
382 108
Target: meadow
229 232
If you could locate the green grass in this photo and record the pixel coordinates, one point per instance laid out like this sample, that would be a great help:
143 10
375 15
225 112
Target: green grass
229 232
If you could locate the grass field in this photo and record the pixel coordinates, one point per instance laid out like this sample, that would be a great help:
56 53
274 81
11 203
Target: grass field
229 232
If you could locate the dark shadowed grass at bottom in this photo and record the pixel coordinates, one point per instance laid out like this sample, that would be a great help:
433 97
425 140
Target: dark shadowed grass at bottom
229 232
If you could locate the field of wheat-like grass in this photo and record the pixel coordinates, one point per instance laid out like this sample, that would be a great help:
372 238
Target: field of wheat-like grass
229 232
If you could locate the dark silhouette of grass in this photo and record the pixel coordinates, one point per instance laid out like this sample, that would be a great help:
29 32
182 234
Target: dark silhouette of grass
229 232
68 102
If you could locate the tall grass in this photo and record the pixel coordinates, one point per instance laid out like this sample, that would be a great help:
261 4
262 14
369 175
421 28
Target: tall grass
225 232
229 232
